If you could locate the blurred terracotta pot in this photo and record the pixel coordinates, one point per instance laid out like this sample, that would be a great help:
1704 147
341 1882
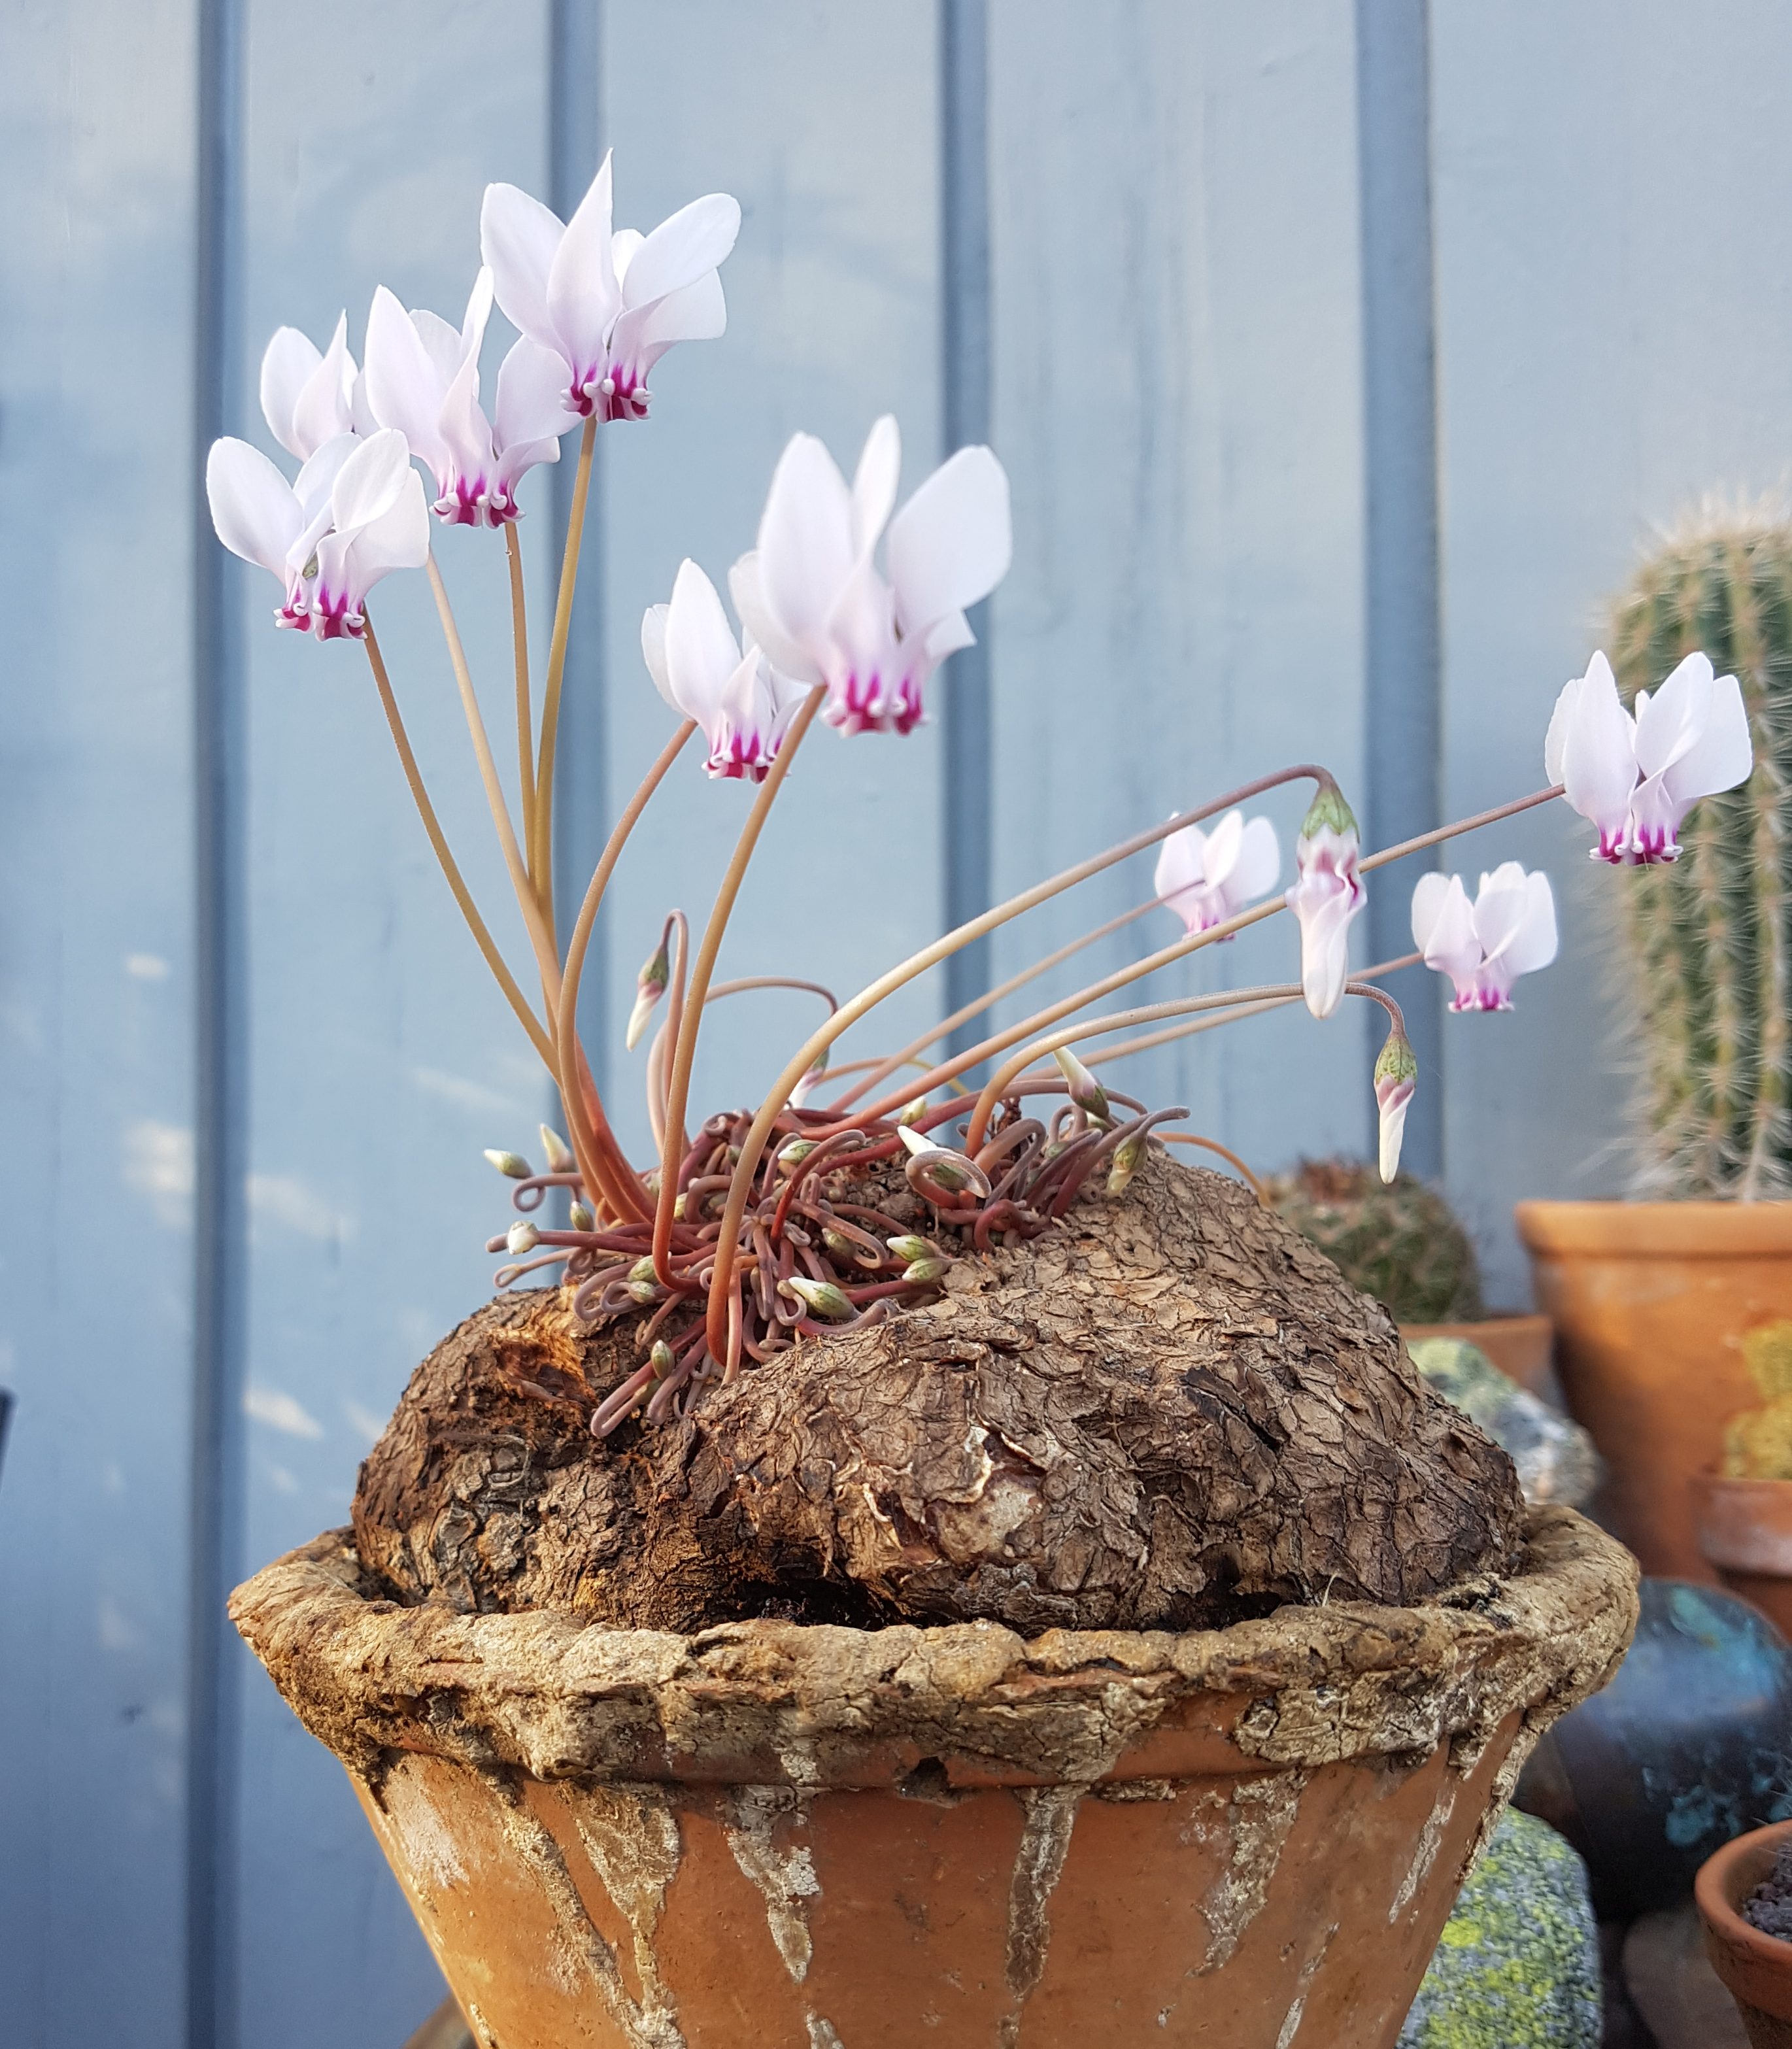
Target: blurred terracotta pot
796 1838
1745 1531
1756 1969
1650 1302
1519 1345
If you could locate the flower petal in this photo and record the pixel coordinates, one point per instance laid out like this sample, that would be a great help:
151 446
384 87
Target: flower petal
518 237
874 483
1259 864
287 365
805 543
369 482
405 380
952 543
396 538
763 630
1721 756
583 297
253 505
653 652
1451 944
696 239
702 652
1596 751
324 407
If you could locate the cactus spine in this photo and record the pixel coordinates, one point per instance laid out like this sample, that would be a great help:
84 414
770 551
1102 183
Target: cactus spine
1708 935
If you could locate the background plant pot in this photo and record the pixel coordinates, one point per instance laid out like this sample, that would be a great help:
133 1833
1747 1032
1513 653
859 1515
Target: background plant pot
1650 1302
802 1837
1745 1531
1520 1346
1756 1968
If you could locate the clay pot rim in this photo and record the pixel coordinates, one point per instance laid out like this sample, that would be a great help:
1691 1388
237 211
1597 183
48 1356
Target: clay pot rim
1756 1967
770 1702
1618 1229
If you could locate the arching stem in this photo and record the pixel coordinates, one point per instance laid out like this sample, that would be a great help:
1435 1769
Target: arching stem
541 845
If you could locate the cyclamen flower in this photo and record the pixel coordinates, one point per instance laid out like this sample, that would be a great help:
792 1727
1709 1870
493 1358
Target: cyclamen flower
1396 1073
1483 948
1326 895
811 597
356 513
608 304
743 704
308 398
1206 878
1636 777
422 377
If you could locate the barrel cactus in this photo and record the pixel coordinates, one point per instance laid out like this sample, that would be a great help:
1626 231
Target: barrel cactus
1708 935
1400 1243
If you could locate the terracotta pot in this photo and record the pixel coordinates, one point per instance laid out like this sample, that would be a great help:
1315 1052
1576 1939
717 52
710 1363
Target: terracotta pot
769 1837
1650 1302
1519 1345
1745 1531
1756 1969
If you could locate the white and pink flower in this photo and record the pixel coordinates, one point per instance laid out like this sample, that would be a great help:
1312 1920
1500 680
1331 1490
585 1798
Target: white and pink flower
356 513
607 302
1483 948
1327 894
742 704
423 378
811 594
1208 878
1636 777
309 396
1397 1077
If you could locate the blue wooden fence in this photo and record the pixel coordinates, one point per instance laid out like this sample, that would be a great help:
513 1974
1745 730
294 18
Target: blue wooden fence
1340 356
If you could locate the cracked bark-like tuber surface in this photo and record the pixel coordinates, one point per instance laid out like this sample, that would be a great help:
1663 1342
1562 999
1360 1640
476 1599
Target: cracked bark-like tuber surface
1171 1412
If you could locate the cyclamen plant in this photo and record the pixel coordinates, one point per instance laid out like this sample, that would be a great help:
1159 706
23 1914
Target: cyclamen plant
737 1242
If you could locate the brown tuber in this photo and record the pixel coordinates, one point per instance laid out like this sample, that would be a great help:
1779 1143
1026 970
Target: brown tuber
1169 1411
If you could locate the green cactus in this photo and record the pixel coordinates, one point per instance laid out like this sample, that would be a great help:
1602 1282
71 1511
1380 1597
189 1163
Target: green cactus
1401 1244
1709 934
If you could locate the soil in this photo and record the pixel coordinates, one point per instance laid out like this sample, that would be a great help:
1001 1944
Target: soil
1169 1411
1769 1907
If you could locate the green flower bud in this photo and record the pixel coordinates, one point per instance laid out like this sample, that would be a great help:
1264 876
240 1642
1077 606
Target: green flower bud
579 1218
559 1159
912 1113
643 1292
821 1297
660 1359
1327 810
923 1270
511 1164
1087 1093
910 1247
642 1267
1124 1166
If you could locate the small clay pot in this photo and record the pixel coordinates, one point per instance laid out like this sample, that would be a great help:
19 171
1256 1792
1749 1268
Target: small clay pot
1756 1969
1521 1347
1651 1303
1745 1531
797 1837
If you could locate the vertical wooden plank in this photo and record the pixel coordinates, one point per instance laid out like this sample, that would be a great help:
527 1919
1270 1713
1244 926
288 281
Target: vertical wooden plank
1178 398
380 1059
1614 338
824 123
96 943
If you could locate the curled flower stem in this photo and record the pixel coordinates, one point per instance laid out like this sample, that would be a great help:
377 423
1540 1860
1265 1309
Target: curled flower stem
541 864
678 1094
520 643
626 1195
438 842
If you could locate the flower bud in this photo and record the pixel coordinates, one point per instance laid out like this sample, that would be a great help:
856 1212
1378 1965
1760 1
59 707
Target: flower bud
912 1113
660 1359
579 1218
511 1164
641 1269
841 1246
794 1152
1395 1078
643 1292
559 1159
909 1247
1087 1093
679 1208
920 1271
1327 894
522 1236
821 1297
650 985
1124 1166
938 1172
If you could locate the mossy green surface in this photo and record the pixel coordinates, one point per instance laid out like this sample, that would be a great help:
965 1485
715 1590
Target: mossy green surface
1518 1967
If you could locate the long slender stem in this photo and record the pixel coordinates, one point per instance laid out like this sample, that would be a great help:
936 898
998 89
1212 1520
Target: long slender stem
1436 837
879 1069
541 846
431 826
546 956
677 1093
566 1020
525 720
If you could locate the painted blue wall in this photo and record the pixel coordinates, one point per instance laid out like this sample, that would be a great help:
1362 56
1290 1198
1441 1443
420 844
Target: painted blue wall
1341 357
